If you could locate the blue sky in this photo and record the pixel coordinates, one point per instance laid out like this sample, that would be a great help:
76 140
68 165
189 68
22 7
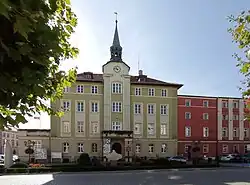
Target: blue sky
183 41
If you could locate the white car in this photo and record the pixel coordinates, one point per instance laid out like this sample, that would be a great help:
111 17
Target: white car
15 157
227 157
178 158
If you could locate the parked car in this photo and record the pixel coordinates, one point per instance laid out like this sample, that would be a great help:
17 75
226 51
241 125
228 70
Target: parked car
229 157
15 158
178 158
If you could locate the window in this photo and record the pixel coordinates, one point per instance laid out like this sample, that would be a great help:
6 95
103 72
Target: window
164 148
65 147
138 128
224 104
205 116
187 148
245 132
94 107
187 103
163 129
12 143
16 143
164 110
164 92
235 117
151 91
116 125
235 105
245 149
94 89
80 126
95 127
116 107
137 148
38 144
205 131
66 126
235 148
205 103
150 148
205 148
235 132
94 147
224 132
224 148
117 88
80 89
66 106
80 106
150 108
224 117
80 147
137 91
187 115
137 108
66 89
188 131
151 128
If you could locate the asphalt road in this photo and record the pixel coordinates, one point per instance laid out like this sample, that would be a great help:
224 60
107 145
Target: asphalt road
162 177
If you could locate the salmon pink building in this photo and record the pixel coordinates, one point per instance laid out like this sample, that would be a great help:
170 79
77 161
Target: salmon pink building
197 123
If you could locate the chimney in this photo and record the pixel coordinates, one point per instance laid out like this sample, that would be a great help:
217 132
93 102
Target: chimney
140 72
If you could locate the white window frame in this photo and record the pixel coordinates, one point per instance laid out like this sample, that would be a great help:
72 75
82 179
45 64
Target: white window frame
205 148
164 109
116 88
94 107
245 149
94 89
137 108
116 125
95 128
151 109
164 92
205 132
80 126
94 147
137 148
37 144
164 148
224 130
205 116
187 103
235 117
116 106
163 129
66 105
80 148
151 148
235 130
225 117
80 89
151 129
246 132
137 128
137 91
66 126
151 92
224 104
224 149
235 105
65 147
205 103
66 89
188 131
80 106
188 115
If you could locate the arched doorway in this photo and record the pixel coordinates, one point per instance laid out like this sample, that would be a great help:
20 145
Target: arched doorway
117 147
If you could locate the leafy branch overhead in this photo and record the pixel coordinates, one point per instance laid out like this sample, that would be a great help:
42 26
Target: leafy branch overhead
33 40
241 36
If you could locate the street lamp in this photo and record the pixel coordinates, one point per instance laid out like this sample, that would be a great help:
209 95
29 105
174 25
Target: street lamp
29 150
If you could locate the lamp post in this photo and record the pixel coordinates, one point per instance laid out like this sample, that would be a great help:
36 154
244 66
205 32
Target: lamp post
29 150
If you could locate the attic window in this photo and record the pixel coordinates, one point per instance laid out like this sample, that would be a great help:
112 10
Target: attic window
142 78
88 75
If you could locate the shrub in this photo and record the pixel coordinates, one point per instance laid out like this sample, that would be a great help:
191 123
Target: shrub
20 165
162 162
84 160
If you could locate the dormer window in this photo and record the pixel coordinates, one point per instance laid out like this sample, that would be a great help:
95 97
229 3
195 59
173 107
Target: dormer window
88 75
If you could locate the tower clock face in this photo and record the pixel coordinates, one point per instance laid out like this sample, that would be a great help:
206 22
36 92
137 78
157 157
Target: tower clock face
117 69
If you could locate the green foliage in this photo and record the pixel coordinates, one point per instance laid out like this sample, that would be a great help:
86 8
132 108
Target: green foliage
240 32
34 38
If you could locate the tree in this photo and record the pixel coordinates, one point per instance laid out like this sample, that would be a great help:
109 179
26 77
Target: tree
240 32
34 38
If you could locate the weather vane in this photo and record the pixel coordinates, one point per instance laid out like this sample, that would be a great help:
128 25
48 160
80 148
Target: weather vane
116 14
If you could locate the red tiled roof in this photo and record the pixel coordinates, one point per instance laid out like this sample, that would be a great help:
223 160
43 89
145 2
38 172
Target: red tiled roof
140 80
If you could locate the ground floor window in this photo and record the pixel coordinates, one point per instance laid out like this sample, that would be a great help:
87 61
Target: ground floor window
187 148
205 148
224 149
94 147
150 148
137 148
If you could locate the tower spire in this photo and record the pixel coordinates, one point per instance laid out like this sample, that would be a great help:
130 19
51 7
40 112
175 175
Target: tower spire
116 49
